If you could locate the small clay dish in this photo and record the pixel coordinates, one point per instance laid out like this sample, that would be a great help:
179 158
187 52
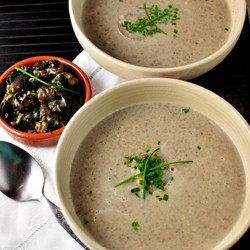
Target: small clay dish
49 138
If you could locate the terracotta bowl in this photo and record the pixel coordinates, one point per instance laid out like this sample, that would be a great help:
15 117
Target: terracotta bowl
142 91
186 72
44 139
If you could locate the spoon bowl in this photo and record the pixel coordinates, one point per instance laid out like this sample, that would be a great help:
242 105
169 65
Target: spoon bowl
19 174
22 179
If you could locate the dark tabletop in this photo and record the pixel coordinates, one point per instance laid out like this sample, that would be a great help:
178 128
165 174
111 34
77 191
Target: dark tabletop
42 27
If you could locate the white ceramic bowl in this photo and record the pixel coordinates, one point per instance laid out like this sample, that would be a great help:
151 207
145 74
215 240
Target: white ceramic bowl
129 71
141 91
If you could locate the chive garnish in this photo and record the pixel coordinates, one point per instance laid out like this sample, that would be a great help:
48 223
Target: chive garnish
130 159
137 195
48 84
154 16
130 178
148 149
169 163
79 211
165 197
151 170
152 21
86 222
144 173
163 165
34 110
137 160
185 110
135 225
135 190
159 30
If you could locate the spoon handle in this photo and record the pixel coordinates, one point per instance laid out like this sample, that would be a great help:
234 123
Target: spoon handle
56 211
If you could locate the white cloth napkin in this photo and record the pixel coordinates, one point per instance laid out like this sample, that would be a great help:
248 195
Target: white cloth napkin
29 225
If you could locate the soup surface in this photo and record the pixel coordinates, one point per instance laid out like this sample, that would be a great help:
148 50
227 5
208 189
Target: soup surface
204 197
192 30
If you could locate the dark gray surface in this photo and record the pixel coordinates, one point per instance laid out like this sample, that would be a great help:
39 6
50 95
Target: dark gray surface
31 28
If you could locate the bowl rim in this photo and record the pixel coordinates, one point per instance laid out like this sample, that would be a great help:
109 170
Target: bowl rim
48 135
230 42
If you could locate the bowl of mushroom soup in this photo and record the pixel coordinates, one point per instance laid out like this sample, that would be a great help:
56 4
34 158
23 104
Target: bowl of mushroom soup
136 39
155 163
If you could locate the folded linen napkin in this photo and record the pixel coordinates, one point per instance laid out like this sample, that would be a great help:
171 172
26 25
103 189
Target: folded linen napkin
29 225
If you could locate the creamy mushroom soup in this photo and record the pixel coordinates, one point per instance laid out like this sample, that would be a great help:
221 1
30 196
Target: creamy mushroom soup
184 31
200 201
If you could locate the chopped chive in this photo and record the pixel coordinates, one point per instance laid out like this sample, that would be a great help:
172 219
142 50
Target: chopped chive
137 160
79 211
169 163
152 174
135 190
148 149
163 165
157 28
153 21
135 225
199 147
137 195
45 83
165 197
34 110
130 159
185 110
130 178
86 222
158 185
144 172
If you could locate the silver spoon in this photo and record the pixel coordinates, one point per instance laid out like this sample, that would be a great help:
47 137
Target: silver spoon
22 179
